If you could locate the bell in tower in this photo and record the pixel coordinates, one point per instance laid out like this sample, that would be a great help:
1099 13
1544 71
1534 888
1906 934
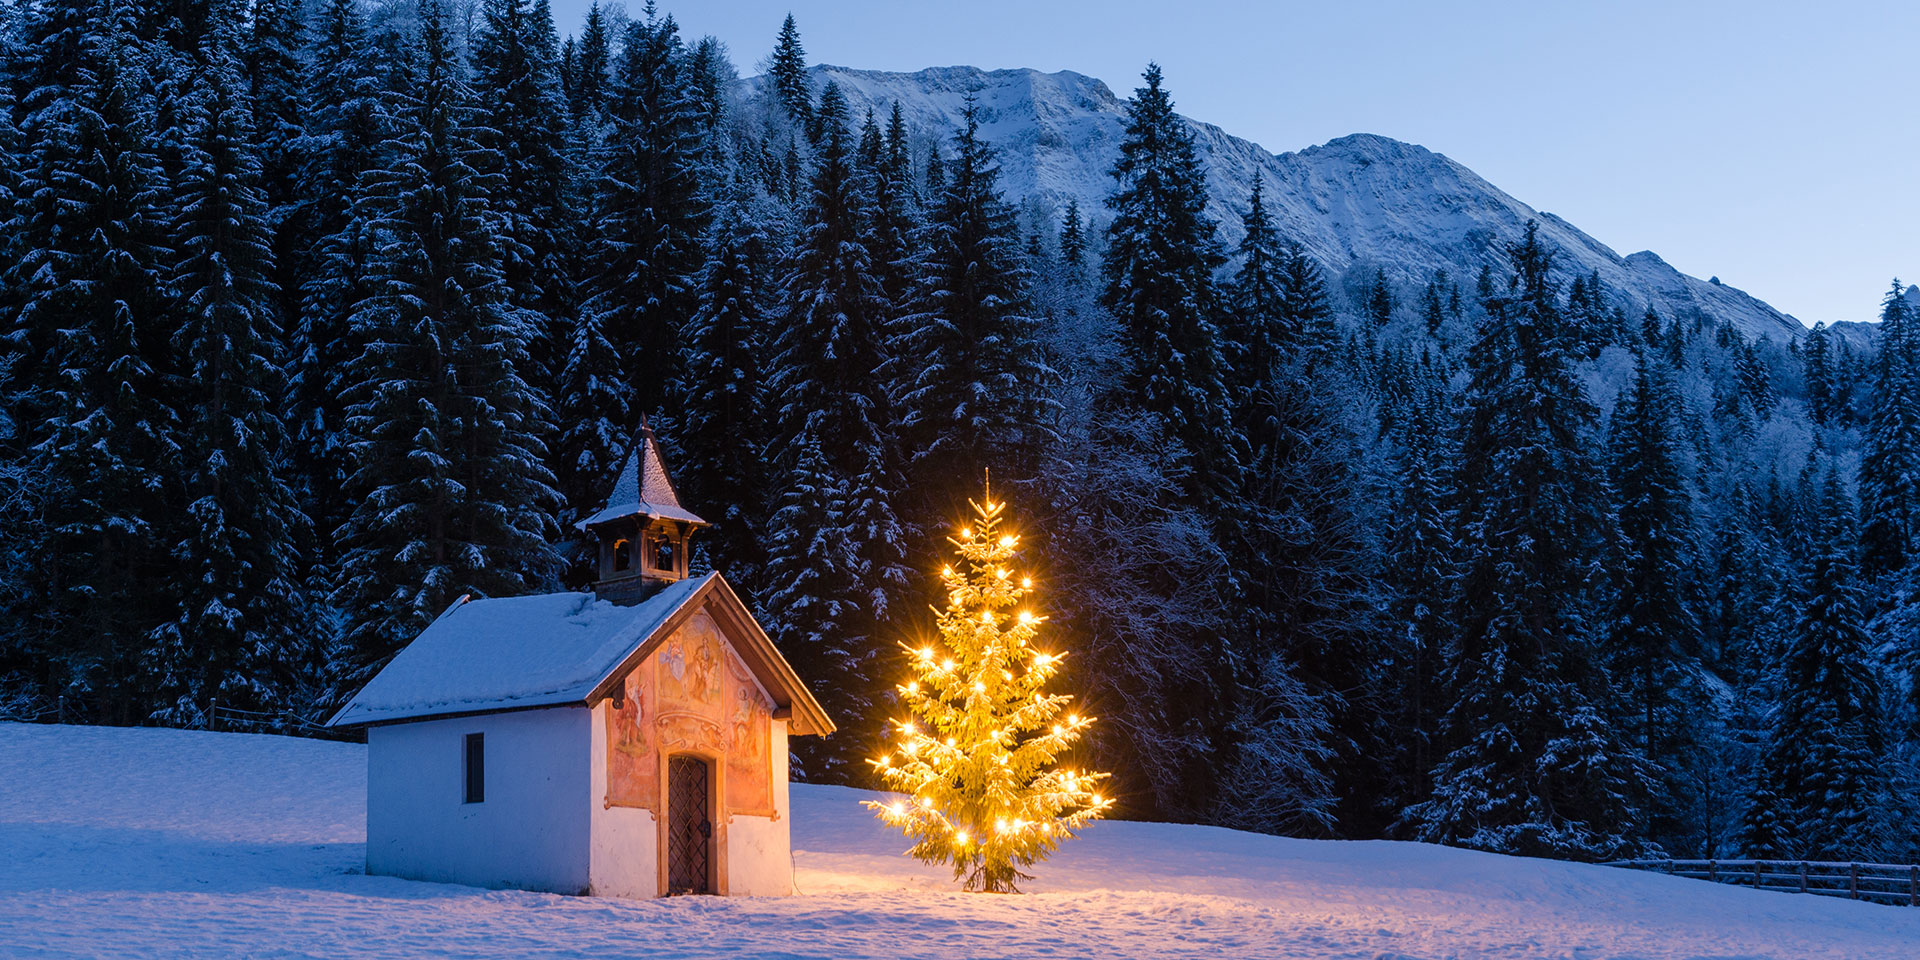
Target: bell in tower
643 529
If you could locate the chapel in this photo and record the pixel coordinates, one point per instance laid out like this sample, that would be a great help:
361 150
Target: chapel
625 741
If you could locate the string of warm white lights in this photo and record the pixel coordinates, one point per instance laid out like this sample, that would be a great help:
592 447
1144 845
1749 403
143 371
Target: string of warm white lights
977 762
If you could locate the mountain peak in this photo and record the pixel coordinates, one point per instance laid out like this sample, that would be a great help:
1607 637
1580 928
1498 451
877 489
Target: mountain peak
1362 201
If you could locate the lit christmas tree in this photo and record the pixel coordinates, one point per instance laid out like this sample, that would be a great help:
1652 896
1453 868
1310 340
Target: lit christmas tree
977 760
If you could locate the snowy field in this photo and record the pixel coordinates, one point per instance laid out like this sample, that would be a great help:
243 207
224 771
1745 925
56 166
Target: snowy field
160 843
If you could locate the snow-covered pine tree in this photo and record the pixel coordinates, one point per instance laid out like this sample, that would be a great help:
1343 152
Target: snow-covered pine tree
1160 258
594 72
1379 301
1587 312
450 488
1308 308
524 124
974 386
830 341
650 212
1756 381
1890 458
1532 766
88 354
237 636
1297 627
348 123
1827 740
1073 242
1655 631
1260 333
275 79
722 430
788 68
1433 306
1420 571
1816 357
895 238
12 155
821 610
593 403
985 789
1766 828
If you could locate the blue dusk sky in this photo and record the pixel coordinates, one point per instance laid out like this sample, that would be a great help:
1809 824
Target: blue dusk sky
1773 145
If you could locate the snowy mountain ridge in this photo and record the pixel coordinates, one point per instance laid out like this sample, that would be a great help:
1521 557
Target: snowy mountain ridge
1359 202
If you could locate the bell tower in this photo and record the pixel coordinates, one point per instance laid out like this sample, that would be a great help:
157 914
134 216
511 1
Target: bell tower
643 529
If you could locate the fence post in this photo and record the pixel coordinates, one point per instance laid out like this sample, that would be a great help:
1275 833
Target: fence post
213 714
1756 874
1711 873
1853 880
63 708
1913 887
1803 876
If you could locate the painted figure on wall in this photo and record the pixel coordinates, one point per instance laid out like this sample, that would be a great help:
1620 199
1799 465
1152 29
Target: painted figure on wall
633 760
693 695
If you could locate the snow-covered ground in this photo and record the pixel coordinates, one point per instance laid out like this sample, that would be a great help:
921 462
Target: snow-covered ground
161 843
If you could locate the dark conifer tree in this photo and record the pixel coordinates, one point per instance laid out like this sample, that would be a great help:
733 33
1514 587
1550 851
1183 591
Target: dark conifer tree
1073 241
819 610
88 355
1816 355
973 393
346 136
276 81
450 489
650 212
589 96
1826 743
788 68
1655 634
1420 572
238 634
1532 763
1379 304
593 403
523 120
1756 381
722 432
1588 312
1262 333
1307 306
1890 460
1433 307
1675 340
831 339
1160 259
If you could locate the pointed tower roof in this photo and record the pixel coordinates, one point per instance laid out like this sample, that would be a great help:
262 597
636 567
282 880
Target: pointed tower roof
643 487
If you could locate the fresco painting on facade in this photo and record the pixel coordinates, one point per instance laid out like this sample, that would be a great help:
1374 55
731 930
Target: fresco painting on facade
693 696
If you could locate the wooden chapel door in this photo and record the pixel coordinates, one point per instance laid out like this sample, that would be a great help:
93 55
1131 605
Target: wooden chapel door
689 826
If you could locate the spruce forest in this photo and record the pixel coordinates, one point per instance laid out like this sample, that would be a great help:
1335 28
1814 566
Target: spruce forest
319 316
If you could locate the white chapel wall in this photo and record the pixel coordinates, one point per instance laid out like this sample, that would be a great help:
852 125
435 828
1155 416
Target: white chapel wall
530 832
626 840
760 849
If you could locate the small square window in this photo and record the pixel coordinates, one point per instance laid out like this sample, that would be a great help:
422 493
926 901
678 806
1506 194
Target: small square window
476 767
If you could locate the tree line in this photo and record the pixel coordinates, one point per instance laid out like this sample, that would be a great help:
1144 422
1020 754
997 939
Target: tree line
317 317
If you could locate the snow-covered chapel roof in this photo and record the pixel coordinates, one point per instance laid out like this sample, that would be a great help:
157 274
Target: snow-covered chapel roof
561 649
643 489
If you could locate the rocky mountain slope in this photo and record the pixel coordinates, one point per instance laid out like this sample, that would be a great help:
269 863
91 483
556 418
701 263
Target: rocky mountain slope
1358 203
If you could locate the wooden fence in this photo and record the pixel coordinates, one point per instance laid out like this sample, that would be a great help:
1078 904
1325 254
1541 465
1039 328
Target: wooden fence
1889 883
